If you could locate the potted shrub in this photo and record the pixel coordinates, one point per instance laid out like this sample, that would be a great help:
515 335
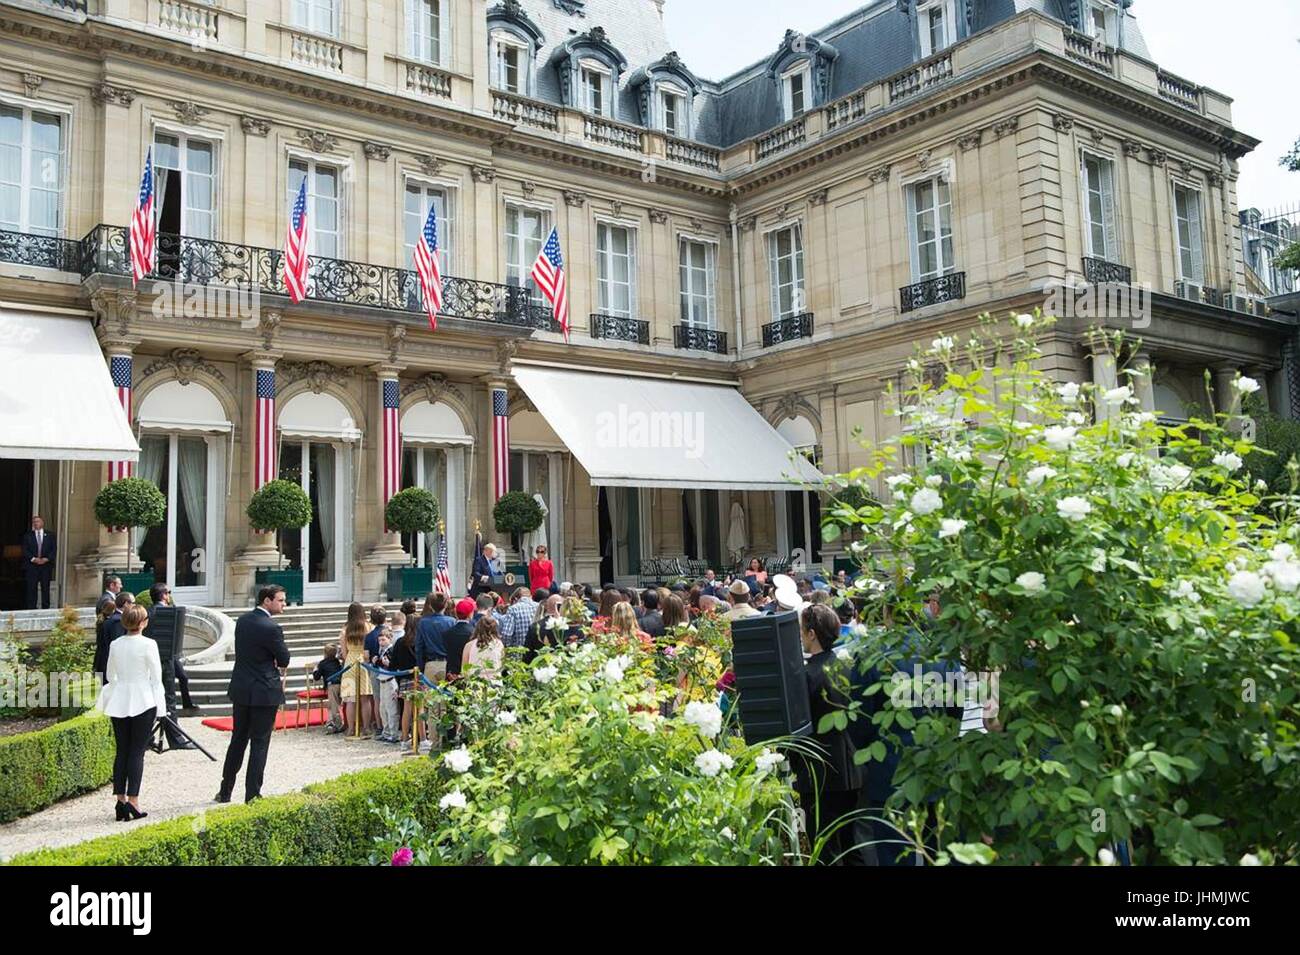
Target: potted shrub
281 506
412 511
517 514
130 503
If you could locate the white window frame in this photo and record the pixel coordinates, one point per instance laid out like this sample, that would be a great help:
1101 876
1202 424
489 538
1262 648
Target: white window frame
1192 237
605 282
64 116
798 271
446 221
1109 14
317 16
803 70
596 69
183 138
524 264
948 9
313 199
416 40
499 41
686 277
666 91
1106 192
913 235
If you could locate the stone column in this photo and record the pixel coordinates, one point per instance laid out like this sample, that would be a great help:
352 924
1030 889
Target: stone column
1143 379
260 550
387 550
1264 395
1104 377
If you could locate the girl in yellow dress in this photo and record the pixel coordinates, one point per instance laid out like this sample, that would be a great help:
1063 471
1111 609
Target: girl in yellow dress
353 637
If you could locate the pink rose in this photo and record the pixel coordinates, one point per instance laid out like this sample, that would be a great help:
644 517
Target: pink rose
403 856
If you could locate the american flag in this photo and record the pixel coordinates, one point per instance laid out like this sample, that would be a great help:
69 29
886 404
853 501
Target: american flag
442 579
501 440
392 441
295 248
119 369
426 264
144 230
264 460
548 273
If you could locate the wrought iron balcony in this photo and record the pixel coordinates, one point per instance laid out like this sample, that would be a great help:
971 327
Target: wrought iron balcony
42 251
1101 272
788 329
942 288
620 329
700 339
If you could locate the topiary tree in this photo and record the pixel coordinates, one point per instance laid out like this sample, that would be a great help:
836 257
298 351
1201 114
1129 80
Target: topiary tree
279 506
413 511
130 503
517 514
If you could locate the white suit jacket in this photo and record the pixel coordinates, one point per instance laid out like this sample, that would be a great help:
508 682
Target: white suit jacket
134 677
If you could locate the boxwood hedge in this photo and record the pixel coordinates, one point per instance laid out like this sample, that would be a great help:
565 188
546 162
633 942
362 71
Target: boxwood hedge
38 769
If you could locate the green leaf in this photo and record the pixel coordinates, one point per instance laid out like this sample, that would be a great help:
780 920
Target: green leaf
1164 766
971 853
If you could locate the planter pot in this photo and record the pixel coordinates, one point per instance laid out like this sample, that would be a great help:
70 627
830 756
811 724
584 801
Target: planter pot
136 582
409 583
290 580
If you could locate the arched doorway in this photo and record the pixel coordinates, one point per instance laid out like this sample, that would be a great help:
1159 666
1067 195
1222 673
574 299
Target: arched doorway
435 449
799 513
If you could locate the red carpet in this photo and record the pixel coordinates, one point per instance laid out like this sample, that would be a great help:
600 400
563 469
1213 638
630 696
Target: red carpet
285 720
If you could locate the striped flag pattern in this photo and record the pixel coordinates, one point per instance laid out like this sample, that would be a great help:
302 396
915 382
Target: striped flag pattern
295 248
501 441
119 369
144 230
392 440
548 273
442 579
426 264
264 457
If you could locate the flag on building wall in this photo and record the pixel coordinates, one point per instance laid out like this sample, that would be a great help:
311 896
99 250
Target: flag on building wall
500 442
442 579
426 264
119 369
144 229
548 273
264 458
295 248
392 441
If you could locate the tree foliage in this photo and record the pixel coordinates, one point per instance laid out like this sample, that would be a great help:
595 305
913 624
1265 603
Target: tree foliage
412 511
517 513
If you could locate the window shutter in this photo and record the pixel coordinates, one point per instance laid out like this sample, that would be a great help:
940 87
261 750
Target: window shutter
797 303
1194 223
913 253
444 33
1108 211
775 274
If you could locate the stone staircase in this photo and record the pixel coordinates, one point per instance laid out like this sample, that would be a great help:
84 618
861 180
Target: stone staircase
306 631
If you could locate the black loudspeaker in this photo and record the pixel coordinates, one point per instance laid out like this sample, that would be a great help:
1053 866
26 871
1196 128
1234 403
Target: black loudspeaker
167 629
767 654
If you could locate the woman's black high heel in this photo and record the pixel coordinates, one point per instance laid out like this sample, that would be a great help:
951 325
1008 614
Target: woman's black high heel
132 812
121 812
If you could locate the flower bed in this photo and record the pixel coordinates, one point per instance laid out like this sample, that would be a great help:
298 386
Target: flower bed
38 769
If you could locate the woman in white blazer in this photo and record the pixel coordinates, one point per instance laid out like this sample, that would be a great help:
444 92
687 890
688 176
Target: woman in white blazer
133 697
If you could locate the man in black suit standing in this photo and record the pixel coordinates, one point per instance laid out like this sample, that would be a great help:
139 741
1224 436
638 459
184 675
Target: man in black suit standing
255 691
39 551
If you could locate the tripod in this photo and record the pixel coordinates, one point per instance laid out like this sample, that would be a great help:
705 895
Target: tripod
164 727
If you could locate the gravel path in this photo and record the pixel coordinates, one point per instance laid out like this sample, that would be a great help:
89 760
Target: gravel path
183 782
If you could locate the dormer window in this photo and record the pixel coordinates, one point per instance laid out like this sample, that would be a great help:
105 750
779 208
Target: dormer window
801 71
513 42
795 86
589 67
595 88
664 91
936 22
1101 22
510 63
673 110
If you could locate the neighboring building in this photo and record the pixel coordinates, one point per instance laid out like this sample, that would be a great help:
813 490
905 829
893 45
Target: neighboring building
1263 240
789 231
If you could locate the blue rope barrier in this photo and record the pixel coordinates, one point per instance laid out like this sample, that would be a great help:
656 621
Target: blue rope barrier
434 686
378 671
338 676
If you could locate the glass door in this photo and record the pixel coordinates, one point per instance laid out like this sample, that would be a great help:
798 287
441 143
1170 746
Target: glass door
316 466
177 551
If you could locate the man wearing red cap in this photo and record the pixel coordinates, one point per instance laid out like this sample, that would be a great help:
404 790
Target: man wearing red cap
461 632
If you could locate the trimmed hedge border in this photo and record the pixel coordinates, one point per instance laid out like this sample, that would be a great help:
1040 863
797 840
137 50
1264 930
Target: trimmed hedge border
328 823
38 769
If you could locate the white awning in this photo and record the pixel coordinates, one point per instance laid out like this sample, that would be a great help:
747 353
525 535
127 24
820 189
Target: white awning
57 401
176 407
629 431
309 415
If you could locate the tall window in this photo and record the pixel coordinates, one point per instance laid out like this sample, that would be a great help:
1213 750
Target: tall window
699 298
674 112
1099 193
794 86
616 270
324 208
1100 17
936 22
929 209
509 64
319 16
526 230
185 187
596 95
1191 254
785 261
419 196
424 25
31 171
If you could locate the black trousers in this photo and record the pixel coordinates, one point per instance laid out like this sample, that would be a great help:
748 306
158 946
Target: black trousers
132 735
252 724
823 815
39 576
183 681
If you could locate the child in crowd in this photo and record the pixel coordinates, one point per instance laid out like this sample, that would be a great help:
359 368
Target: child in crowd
387 691
329 666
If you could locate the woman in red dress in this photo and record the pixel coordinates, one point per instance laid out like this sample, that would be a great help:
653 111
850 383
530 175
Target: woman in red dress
541 572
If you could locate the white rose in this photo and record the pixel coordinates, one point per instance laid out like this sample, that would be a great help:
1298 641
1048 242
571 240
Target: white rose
1118 396
726 833
711 762
1073 508
1261 486
1125 459
1023 426
767 761
459 760
1105 857
706 717
1069 391
1281 552
507 718
1032 581
951 528
1037 476
545 675
961 455
1249 859
897 480
1246 386
613 673
941 344
1246 588
453 800
1060 439
1185 591
1076 418
926 501
1228 461
913 364
1166 477
934 480
1285 575
1025 321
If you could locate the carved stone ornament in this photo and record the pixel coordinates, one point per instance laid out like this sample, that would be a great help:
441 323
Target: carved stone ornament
1132 148
879 174
268 325
1098 136
788 406
435 386
1158 157
574 7
1186 168
1063 123
376 151
819 197
970 141
184 362
658 216
108 93
116 310
598 35
784 211
1216 178
505 355
429 165
697 225
252 126
483 173
1006 127
923 158
529 188
616 207
748 224
32 82
574 198
318 374
189 113
396 335
317 140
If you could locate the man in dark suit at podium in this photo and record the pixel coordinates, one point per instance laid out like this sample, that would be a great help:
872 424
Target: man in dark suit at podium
255 690
39 551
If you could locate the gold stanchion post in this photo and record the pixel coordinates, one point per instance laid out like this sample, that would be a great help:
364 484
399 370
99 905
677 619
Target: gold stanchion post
356 723
415 716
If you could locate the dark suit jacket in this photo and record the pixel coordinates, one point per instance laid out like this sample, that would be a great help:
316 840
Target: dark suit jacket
49 548
259 649
106 631
652 623
482 568
839 773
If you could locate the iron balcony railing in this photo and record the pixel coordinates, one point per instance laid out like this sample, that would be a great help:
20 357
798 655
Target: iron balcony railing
42 251
700 339
942 288
617 328
788 329
1100 272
